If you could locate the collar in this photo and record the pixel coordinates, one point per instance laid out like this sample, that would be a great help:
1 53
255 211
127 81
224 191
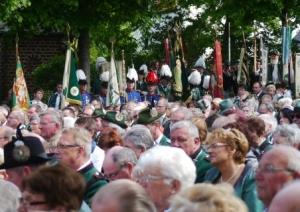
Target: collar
151 94
82 92
196 154
127 90
157 141
85 167
263 146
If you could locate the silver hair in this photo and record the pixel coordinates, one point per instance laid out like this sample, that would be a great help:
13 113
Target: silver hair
164 102
139 136
192 129
34 117
269 120
171 162
291 132
220 122
81 137
123 156
285 101
251 104
20 115
187 114
8 132
56 117
119 129
268 105
196 112
10 195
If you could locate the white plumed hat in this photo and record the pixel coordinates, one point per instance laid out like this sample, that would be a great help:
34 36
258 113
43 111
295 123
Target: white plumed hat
104 76
165 72
195 78
143 70
132 75
200 63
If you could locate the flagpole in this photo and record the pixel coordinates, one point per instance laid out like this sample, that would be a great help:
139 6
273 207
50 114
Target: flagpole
255 55
229 45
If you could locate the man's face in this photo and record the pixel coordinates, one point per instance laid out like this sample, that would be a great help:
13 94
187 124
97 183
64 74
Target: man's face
274 59
66 113
155 66
87 112
12 120
164 82
151 88
268 183
180 138
263 110
104 90
82 87
59 88
256 88
31 111
67 151
130 85
3 140
140 77
296 119
113 171
176 117
38 95
47 127
160 107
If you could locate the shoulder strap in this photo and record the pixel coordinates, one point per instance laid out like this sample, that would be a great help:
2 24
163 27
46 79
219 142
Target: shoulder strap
96 176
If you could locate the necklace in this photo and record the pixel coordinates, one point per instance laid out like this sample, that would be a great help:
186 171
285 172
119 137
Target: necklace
231 176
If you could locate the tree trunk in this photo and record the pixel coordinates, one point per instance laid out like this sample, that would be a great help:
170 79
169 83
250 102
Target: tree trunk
84 54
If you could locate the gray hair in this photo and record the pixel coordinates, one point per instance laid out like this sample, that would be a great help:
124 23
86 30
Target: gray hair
268 105
81 137
285 101
8 132
139 136
123 156
196 112
34 117
56 117
171 162
20 115
119 129
192 129
164 101
220 122
291 132
187 114
251 104
269 120
10 195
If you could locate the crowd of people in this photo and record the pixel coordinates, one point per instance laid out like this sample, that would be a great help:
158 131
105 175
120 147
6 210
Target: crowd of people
148 153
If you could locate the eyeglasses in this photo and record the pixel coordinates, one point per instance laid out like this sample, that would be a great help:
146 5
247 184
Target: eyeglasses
271 169
64 146
112 175
34 124
215 145
3 137
148 178
10 117
28 203
44 124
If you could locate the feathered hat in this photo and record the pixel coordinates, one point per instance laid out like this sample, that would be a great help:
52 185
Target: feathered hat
131 75
195 78
104 77
165 72
206 82
99 62
200 63
143 70
81 78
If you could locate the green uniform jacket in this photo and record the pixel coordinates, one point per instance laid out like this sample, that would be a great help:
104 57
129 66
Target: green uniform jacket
164 141
264 147
196 94
200 158
94 182
141 86
164 92
244 187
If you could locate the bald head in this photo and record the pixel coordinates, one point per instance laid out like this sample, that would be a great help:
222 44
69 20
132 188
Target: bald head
5 135
127 196
119 163
287 199
15 118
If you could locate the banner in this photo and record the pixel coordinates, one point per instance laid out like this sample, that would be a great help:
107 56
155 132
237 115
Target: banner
243 72
20 96
113 94
264 63
216 79
297 77
71 92
167 55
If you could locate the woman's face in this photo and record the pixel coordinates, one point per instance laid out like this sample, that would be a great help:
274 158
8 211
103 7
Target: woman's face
34 126
218 151
283 119
156 187
32 202
271 92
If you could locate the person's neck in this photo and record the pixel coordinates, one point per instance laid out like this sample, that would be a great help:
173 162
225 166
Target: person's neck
151 92
227 169
157 134
38 100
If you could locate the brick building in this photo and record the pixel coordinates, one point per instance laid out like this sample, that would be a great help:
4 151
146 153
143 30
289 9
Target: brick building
33 52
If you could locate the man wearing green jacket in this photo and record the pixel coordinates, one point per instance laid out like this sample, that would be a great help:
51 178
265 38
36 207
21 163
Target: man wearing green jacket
74 149
185 135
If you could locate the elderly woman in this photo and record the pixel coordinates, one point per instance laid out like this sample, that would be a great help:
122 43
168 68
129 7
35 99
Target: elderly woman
286 116
163 172
53 188
287 134
34 123
227 150
208 198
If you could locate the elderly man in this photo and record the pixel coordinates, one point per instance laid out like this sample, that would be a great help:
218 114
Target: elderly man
179 114
5 135
15 118
267 108
119 163
161 107
74 150
51 123
278 166
127 196
270 126
185 135
138 139
22 156
151 119
287 135
88 110
258 90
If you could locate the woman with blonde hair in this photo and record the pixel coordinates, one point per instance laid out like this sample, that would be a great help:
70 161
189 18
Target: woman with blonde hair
202 128
227 150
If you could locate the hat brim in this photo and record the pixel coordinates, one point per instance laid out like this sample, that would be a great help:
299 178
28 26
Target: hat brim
149 120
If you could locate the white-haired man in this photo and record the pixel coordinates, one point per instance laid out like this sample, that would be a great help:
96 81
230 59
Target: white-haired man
274 69
74 150
15 118
277 167
287 134
51 123
270 126
185 135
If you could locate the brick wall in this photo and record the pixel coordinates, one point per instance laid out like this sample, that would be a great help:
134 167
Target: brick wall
32 53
